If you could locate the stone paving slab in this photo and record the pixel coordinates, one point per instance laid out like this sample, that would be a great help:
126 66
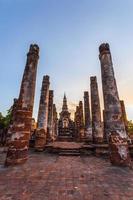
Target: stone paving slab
53 177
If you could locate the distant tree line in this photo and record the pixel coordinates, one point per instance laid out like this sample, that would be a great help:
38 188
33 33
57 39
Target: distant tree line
5 121
130 127
4 124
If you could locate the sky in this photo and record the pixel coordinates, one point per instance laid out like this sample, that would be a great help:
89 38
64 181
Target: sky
68 33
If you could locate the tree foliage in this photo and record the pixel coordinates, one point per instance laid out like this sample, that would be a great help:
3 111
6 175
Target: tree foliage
5 121
130 127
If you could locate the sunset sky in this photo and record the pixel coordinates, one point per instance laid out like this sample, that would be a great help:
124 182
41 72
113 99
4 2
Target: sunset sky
68 33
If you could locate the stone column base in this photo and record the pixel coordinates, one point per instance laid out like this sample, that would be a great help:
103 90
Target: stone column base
15 154
97 140
40 140
88 134
119 152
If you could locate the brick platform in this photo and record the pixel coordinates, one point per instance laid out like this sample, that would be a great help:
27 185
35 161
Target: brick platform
52 177
84 149
65 145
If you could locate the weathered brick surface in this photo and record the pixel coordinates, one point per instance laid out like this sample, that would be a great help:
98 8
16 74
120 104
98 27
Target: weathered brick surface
55 122
115 127
87 117
124 115
97 130
42 121
50 116
87 110
49 177
79 122
105 136
81 129
22 112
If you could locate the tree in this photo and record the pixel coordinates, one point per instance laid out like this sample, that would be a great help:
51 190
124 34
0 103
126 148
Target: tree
130 127
5 121
1 121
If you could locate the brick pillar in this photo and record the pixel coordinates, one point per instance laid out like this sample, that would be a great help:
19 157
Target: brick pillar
42 121
55 121
81 113
81 118
22 114
88 127
50 116
124 115
77 123
105 139
97 130
119 153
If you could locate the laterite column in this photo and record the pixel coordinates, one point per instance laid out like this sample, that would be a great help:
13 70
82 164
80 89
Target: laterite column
22 114
42 122
117 136
97 130
88 127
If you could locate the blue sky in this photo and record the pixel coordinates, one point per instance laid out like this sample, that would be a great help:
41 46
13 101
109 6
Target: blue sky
69 33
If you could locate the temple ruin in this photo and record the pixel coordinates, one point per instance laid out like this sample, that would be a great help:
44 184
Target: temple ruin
98 131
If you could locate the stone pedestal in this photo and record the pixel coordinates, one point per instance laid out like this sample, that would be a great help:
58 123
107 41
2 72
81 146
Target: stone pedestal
117 136
42 121
97 130
22 114
40 139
